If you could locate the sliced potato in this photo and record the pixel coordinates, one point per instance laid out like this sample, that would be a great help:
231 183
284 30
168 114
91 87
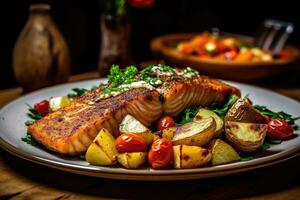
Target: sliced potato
243 111
190 156
195 133
56 103
246 137
102 151
169 133
132 125
132 160
205 113
222 152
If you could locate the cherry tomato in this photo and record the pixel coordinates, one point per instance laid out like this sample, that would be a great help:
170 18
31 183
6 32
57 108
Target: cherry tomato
279 129
165 122
42 107
161 154
267 119
129 142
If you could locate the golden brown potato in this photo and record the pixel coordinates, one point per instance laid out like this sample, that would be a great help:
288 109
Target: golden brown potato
190 156
222 152
132 160
132 125
205 113
169 133
246 137
195 133
243 111
102 151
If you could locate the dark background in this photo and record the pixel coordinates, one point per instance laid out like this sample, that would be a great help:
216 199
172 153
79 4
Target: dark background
79 20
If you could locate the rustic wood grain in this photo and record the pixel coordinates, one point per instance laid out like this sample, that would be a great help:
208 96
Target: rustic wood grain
21 179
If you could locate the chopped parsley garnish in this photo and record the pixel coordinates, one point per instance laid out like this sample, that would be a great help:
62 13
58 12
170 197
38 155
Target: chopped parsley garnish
119 76
274 115
222 110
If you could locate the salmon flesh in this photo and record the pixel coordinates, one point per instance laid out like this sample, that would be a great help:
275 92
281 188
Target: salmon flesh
70 130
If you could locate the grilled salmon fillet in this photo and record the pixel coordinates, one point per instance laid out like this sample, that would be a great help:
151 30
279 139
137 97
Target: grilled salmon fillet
198 91
70 130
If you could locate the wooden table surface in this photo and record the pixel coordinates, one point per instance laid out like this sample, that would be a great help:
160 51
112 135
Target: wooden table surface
21 179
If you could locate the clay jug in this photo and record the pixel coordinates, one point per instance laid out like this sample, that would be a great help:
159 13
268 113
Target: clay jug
41 56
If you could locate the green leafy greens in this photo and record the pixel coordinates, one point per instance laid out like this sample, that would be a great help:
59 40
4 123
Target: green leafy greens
77 92
29 139
274 115
222 110
189 115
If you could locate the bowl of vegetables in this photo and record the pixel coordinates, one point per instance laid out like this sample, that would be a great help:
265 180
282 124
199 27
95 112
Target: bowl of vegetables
227 57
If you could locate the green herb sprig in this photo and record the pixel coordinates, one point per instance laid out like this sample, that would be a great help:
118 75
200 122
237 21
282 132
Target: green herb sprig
222 110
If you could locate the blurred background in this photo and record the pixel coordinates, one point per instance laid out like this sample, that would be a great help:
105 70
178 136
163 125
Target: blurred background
79 23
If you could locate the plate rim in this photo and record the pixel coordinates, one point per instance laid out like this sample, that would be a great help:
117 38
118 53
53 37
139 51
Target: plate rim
138 174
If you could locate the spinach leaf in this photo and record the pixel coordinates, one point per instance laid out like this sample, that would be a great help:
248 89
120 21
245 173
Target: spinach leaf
189 115
245 157
222 110
274 115
77 92
29 139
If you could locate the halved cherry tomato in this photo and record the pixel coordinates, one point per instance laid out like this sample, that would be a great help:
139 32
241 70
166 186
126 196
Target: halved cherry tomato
165 122
129 142
42 107
279 129
161 154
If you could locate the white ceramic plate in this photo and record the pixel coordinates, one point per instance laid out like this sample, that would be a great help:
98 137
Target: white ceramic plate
12 129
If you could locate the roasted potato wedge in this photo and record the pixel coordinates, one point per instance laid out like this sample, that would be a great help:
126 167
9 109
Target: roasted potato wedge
190 156
246 137
132 125
102 151
205 113
222 152
56 103
132 160
243 111
169 133
195 133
